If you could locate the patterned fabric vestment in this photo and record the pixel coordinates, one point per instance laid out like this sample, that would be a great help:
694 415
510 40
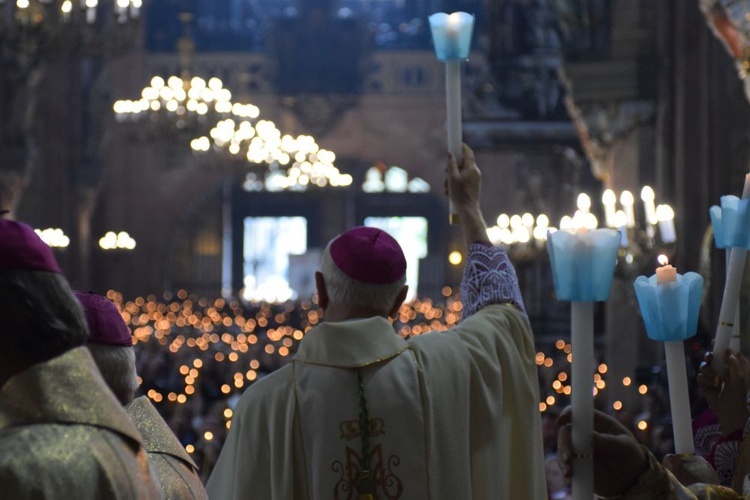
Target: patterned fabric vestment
63 434
175 471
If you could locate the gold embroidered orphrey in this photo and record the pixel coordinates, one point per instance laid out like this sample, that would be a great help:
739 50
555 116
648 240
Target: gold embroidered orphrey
386 484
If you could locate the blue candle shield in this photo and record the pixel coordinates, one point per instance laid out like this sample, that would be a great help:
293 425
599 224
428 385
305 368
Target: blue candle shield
731 222
451 34
670 310
583 263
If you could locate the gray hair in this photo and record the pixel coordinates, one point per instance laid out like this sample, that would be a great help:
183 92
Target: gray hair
347 291
42 318
117 365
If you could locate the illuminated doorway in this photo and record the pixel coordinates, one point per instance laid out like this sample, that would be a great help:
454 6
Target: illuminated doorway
268 243
411 234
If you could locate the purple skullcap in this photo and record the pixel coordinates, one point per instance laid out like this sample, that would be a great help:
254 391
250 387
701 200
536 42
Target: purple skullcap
22 248
369 255
106 326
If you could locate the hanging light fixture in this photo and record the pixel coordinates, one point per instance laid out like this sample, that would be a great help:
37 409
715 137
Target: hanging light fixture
184 102
229 129
42 27
292 162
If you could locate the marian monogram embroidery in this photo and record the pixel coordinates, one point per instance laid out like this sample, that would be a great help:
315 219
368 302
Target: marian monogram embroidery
387 485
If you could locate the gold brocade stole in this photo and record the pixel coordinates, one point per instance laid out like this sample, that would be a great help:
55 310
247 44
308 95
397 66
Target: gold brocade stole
365 484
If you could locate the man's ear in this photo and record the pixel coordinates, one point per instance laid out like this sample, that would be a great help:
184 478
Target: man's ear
400 298
320 283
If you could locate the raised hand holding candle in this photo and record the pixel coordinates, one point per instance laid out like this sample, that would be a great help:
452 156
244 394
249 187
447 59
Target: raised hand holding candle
583 264
451 35
669 304
735 233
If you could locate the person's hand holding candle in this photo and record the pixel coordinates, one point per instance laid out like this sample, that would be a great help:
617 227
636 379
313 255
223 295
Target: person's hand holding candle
726 394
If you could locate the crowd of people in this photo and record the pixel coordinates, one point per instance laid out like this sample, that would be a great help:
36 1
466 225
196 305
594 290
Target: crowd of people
270 401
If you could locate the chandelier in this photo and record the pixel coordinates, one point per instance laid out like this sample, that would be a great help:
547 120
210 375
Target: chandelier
185 103
229 130
523 236
36 28
293 163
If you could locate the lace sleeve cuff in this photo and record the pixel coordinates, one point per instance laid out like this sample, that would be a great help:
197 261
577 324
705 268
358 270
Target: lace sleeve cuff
489 278
726 453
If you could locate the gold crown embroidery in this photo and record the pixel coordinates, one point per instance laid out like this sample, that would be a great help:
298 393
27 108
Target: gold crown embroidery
350 428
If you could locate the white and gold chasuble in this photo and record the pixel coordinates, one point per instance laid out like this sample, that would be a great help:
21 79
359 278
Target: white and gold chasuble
452 415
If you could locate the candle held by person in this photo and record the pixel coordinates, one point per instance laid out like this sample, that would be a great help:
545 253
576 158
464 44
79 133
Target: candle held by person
583 262
669 304
451 34
735 233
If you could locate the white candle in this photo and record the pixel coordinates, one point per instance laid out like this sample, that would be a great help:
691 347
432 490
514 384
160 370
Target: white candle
665 273
609 199
649 209
582 397
734 342
729 301
584 203
679 400
627 201
728 309
66 7
665 216
620 221
453 115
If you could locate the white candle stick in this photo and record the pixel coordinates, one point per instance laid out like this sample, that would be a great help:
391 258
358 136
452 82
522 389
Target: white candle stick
582 398
453 116
679 400
609 200
627 201
734 341
452 38
649 208
728 311
665 216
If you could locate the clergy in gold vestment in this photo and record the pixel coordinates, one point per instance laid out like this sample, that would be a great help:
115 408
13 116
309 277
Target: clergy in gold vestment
111 345
175 470
63 434
361 413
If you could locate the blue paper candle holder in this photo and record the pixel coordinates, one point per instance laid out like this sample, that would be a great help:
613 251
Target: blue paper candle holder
670 310
731 222
583 263
451 34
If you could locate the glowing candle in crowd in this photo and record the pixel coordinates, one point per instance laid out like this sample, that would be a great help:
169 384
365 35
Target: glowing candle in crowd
734 214
665 273
627 201
609 199
649 208
583 262
669 304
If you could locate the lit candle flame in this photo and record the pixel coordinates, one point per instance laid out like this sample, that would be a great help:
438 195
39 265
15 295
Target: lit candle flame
663 259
